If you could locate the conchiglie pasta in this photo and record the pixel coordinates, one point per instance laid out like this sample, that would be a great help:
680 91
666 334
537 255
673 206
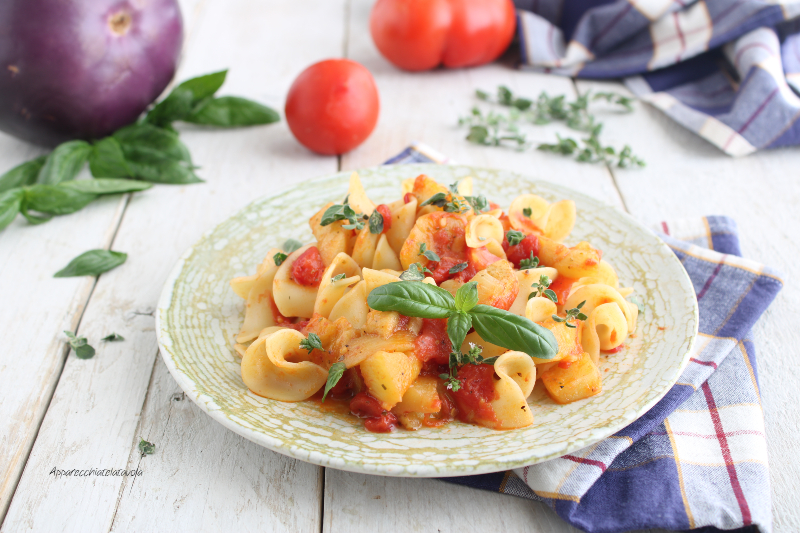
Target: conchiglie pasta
331 291
535 221
539 309
267 373
291 298
259 312
605 329
385 257
242 285
364 247
357 196
483 229
403 219
376 278
517 374
604 274
526 279
352 306
560 220
597 294
577 262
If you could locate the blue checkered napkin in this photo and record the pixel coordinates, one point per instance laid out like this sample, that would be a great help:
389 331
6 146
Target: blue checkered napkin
724 69
698 458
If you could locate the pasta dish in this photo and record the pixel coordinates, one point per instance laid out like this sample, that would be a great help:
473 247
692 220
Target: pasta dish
438 306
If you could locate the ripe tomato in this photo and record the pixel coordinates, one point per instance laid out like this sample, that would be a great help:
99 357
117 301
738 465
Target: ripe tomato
422 34
516 253
332 106
307 269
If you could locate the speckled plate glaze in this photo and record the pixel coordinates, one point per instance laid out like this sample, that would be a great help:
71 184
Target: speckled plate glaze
199 315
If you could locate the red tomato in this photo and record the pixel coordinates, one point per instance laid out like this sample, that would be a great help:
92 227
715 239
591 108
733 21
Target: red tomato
308 268
476 392
386 213
523 250
561 286
332 106
364 405
422 34
381 424
480 258
433 344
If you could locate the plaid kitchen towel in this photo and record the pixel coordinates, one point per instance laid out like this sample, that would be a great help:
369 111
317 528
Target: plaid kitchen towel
698 458
724 69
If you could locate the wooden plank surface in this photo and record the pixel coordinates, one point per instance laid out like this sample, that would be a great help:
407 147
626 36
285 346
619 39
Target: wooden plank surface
95 418
206 478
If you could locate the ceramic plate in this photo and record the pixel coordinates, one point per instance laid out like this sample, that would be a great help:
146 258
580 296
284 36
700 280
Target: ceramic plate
199 316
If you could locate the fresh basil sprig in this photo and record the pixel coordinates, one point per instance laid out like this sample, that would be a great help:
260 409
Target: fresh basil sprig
500 327
149 150
92 263
311 343
343 211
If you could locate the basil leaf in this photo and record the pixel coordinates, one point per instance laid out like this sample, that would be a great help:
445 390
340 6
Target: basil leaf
489 361
56 200
113 337
376 223
22 175
458 325
513 332
32 219
105 185
467 296
64 162
279 258
156 155
167 172
92 263
412 298
291 245
335 373
185 98
311 343
232 111
10 203
108 161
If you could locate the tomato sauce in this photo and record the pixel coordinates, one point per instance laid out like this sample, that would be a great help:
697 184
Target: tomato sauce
386 213
407 197
308 268
433 344
523 250
476 392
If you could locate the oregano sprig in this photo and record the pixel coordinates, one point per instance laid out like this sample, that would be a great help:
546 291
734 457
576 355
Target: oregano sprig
541 289
529 263
572 314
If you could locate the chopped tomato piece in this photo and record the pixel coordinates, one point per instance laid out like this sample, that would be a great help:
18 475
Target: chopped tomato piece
384 210
561 286
381 424
363 405
477 392
440 270
433 344
308 268
480 258
527 246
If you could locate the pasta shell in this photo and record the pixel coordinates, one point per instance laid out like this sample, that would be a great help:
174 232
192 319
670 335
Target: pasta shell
357 196
329 291
483 229
291 298
517 374
352 306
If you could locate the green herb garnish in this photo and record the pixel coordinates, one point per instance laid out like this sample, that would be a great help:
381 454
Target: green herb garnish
311 343
429 254
531 262
541 289
375 223
335 373
80 345
343 211
279 258
113 337
415 272
146 448
458 268
338 277
291 245
572 314
514 237
92 263
493 325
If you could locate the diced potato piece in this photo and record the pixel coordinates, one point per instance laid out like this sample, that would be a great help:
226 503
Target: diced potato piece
489 349
421 397
382 323
388 375
578 381
568 339
353 351
411 421
497 285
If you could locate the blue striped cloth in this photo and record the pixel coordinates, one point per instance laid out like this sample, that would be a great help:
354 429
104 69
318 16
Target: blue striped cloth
698 458
725 69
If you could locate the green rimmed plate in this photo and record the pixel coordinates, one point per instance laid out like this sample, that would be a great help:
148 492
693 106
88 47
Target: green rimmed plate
199 315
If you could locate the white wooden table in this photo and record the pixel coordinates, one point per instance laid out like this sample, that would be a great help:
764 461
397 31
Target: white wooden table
59 411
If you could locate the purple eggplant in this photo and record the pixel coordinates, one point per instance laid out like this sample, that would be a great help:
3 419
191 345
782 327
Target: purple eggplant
82 69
